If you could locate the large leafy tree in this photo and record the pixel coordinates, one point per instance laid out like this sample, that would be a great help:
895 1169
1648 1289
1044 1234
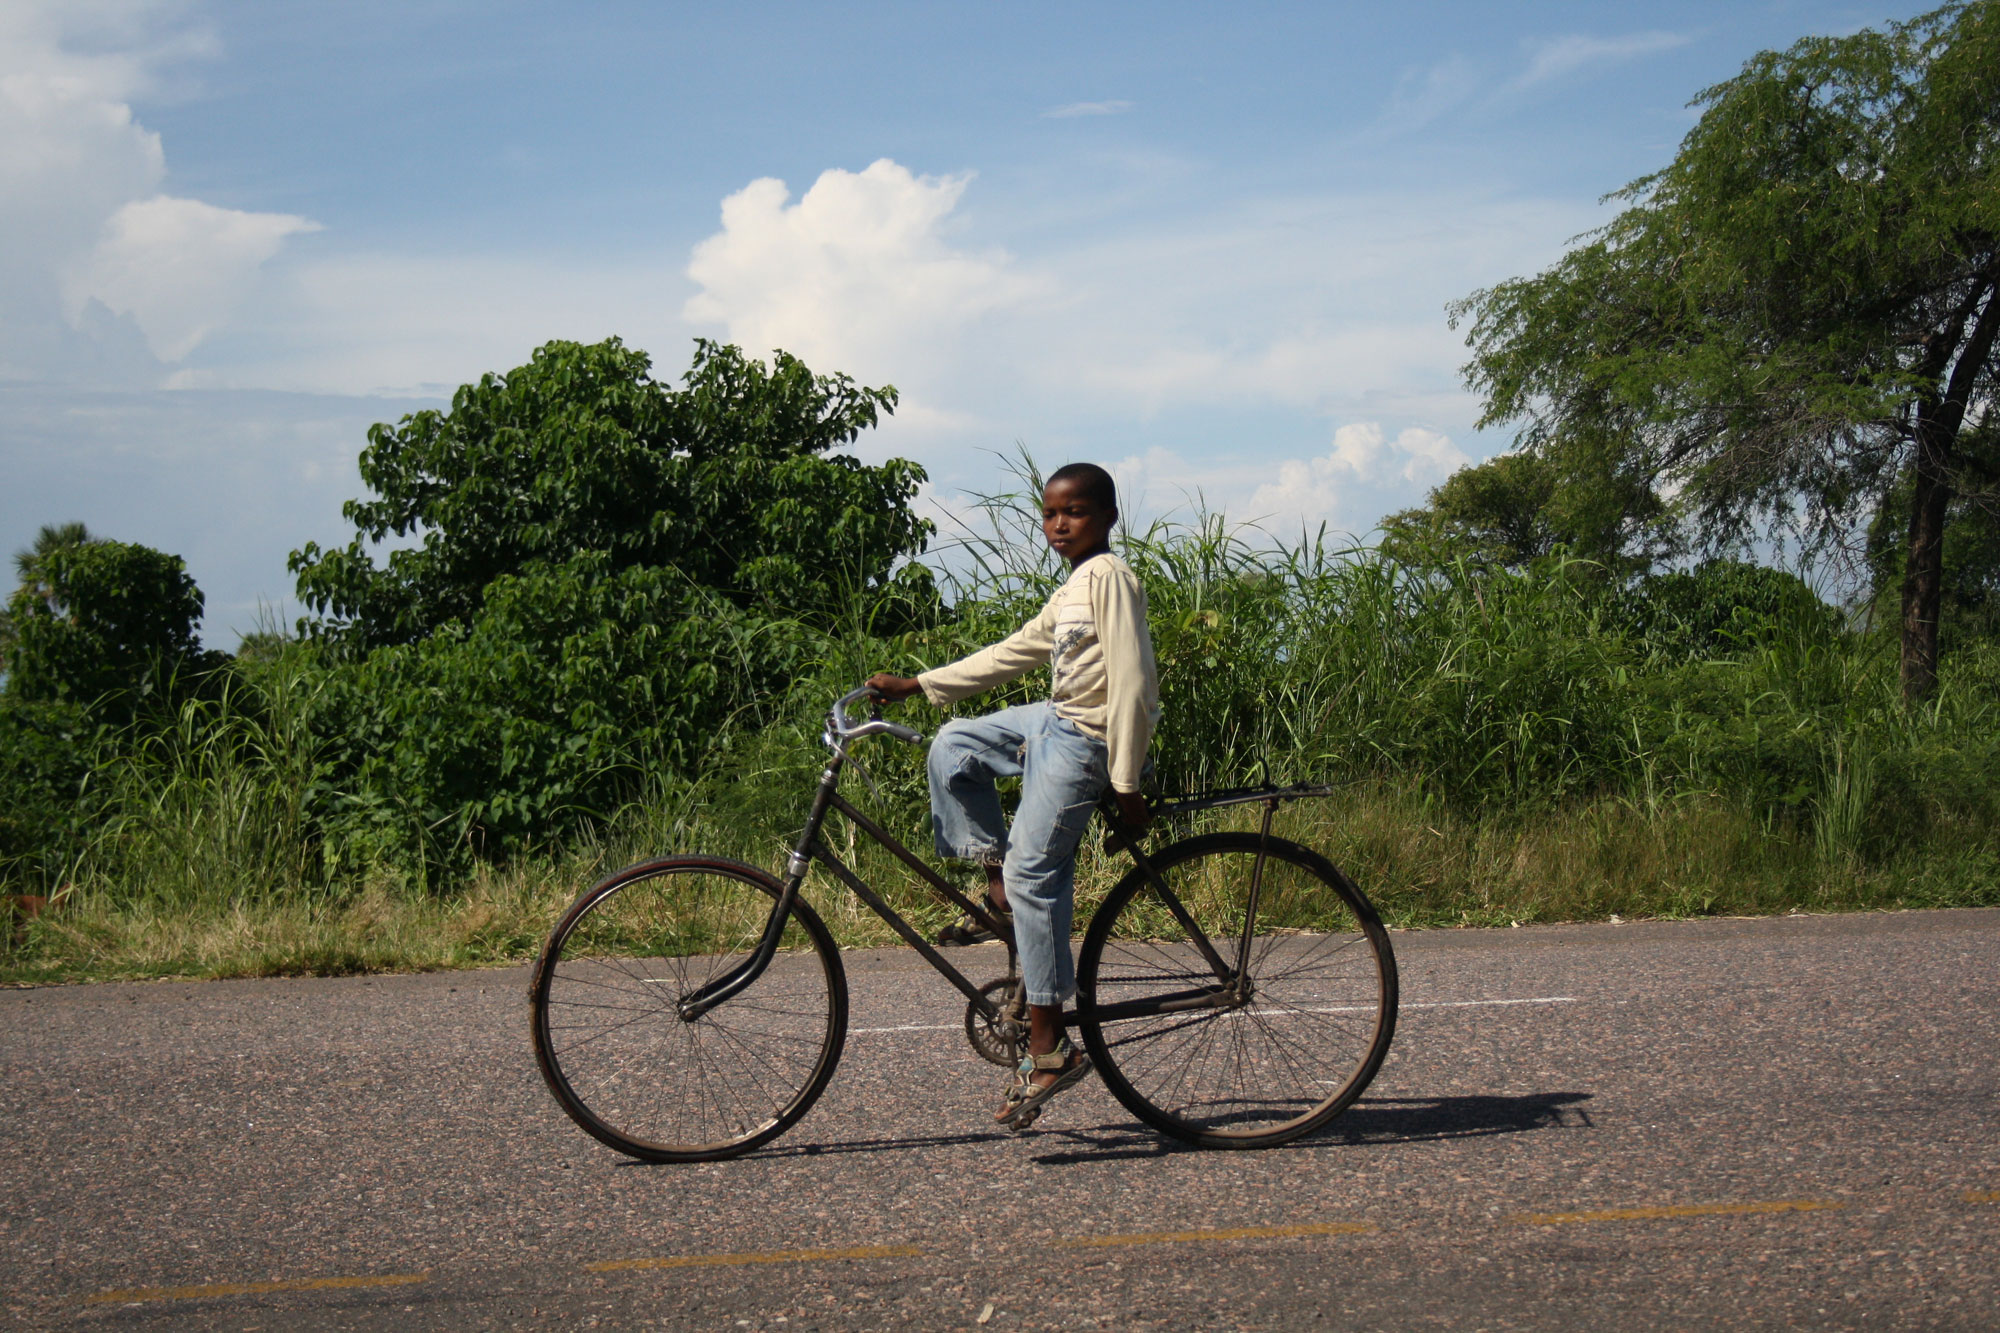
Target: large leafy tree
608 574
1794 321
730 479
102 625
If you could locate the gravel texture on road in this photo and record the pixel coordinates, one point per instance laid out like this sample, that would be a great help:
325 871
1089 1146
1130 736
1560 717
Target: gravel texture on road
1772 1123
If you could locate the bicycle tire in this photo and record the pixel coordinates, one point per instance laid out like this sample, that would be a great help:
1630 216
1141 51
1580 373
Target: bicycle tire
1255 1075
613 1048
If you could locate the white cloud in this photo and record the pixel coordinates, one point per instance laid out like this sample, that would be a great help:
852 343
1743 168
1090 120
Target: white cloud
1553 57
417 323
1075 109
1161 483
178 267
1364 467
858 274
1332 303
81 213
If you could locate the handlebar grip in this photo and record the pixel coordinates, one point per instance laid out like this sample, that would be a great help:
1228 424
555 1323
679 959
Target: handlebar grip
903 733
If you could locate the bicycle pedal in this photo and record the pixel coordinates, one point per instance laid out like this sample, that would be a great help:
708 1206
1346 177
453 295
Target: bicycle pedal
1025 1120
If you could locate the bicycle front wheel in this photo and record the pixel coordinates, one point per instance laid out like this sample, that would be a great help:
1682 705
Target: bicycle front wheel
610 1039
1222 1063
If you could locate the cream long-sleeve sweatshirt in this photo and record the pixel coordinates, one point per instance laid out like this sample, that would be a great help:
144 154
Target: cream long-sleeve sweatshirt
1092 635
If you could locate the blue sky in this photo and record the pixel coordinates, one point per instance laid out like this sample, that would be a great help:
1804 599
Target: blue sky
1210 246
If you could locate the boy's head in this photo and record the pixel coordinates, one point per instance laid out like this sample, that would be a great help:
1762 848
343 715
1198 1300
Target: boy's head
1092 481
1079 507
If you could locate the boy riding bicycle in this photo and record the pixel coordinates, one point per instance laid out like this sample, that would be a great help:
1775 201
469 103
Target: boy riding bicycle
1093 730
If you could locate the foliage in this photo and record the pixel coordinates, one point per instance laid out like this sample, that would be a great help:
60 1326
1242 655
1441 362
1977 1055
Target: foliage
612 573
1531 744
1514 732
728 480
1798 309
46 757
1718 608
1969 606
105 625
545 713
1519 508
29 560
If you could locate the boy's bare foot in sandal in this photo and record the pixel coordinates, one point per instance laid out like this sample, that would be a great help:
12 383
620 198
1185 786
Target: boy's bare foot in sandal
1052 1064
967 929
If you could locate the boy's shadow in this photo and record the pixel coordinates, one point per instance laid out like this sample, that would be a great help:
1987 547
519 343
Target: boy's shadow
1373 1120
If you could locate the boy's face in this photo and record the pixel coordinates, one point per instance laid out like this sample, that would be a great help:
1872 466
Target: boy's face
1075 525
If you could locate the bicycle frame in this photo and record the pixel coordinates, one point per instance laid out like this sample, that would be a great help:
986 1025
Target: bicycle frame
1228 993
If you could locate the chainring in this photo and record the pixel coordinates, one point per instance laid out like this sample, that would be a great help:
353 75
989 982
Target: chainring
1001 1042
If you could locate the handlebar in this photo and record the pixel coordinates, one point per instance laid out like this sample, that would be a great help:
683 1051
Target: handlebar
842 728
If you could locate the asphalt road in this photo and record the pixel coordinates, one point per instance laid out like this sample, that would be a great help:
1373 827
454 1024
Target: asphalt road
1749 1124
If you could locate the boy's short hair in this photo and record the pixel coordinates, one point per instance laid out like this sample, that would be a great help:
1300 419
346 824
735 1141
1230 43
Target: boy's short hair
1091 479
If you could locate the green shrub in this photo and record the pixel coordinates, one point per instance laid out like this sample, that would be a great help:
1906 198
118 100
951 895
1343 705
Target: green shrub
47 754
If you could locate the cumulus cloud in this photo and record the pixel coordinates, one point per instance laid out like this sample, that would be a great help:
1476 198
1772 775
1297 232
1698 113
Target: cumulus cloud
86 234
1075 109
859 274
1552 58
1363 463
177 266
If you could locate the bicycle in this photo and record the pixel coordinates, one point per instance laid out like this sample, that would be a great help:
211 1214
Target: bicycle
1234 990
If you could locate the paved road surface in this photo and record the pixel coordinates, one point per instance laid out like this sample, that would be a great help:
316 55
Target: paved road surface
1745 1123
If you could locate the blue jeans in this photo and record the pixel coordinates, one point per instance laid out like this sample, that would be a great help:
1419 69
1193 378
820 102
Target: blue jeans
1062 773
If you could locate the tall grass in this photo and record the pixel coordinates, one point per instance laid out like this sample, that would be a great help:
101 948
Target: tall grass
1506 746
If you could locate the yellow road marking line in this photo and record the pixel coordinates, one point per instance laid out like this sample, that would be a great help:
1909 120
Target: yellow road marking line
256 1288
1225 1233
1672 1211
1982 1196
755 1257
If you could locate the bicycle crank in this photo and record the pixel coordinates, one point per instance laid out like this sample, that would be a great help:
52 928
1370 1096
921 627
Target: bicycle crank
999 1042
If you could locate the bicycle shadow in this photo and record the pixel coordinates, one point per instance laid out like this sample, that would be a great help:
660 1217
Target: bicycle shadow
1376 1120
879 1145
1373 1120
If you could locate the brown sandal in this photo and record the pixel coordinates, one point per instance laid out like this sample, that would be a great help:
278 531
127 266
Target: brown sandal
1024 1099
968 930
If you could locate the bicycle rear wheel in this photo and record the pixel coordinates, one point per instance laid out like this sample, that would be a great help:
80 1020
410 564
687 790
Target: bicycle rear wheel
1321 1000
617 1054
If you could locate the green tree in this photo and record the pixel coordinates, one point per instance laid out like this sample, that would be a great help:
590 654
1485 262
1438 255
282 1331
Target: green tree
729 480
28 565
1969 593
104 624
1800 310
1518 508
29 560
610 574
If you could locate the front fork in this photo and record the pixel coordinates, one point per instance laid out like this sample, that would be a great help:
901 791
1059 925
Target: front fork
699 1001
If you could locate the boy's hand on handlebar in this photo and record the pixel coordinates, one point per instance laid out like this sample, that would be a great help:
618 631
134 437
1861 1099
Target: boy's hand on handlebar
893 688
1132 810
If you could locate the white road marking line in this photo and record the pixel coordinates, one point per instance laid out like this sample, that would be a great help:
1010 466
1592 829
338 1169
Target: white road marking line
910 1027
1440 1004
1344 1009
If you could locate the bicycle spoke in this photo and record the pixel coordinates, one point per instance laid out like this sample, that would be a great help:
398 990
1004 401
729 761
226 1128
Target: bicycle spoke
674 1088
1262 1071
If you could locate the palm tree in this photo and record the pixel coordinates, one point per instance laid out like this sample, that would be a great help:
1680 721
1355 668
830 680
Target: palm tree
29 560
